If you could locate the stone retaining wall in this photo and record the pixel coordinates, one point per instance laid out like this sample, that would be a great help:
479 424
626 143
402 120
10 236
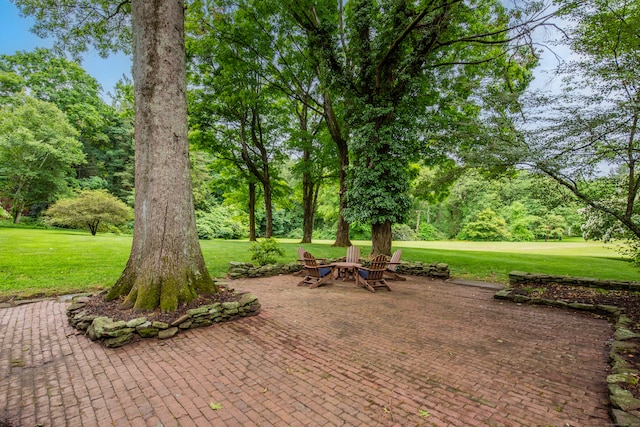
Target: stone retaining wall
118 333
238 270
241 269
523 278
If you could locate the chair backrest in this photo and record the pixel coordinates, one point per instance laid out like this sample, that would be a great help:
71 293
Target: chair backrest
353 254
395 259
311 265
377 268
301 254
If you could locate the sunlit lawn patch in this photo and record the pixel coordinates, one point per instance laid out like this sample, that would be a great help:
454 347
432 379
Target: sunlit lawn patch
53 262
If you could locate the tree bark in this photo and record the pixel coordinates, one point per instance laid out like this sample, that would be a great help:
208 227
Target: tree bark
259 171
308 207
268 205
308 185
252 211
166 266
381 238
342 234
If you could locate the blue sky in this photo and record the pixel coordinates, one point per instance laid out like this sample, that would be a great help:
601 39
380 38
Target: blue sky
15 36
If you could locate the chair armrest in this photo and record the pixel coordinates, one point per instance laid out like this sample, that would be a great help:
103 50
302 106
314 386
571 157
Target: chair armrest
372 269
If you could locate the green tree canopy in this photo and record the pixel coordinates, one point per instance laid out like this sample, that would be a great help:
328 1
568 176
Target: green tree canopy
588 135
407 71
96 210
38 149
486 226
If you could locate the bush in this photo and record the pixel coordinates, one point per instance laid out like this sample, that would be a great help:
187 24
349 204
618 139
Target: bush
402 232
520 231
266 251
488 226
430 232
324 233
4 214
219 223
96 210
359 231
296 233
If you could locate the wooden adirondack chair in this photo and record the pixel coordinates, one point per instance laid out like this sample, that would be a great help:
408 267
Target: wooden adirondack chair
301 261
353 254
393 264
303 271
316 274
372 277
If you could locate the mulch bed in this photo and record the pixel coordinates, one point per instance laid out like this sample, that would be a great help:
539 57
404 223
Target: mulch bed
97 306
630 301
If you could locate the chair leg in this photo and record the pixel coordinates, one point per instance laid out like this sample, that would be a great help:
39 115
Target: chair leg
362 282
394 276
323 281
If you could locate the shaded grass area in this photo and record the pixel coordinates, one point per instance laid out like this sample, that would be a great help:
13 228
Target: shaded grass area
56 262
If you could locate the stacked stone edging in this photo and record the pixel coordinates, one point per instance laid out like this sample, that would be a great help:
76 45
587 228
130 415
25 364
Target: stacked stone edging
438 270
238 270
118 333
523 278
624 407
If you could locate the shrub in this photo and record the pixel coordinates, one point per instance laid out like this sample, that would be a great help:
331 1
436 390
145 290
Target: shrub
359 231
402 232
4 214
219 222
487 226
266 251
96 210
430 232
328 233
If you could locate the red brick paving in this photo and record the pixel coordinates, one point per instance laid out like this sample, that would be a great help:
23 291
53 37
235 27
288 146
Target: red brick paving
425 354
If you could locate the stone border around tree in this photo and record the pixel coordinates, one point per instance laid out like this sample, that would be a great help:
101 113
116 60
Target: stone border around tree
239 270
118 333
622 401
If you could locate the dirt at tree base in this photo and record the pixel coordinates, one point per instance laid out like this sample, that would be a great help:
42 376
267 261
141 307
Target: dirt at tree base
97 306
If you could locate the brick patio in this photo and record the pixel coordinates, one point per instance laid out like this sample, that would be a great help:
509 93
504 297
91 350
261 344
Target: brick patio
427 354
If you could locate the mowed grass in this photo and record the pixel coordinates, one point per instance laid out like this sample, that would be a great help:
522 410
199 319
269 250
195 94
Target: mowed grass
56 262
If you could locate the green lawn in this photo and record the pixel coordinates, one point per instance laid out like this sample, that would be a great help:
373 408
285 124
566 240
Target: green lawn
50 262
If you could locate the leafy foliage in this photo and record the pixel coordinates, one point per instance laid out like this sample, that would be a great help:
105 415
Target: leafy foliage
266 251
403 232
408 71
96 210
486 226
587 137
220 222
78 25
38 149
429 232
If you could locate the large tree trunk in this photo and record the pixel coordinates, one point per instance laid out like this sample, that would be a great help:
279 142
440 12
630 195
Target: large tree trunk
308 186
342 235
166 266
252 211
268 205
381 238
308 208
